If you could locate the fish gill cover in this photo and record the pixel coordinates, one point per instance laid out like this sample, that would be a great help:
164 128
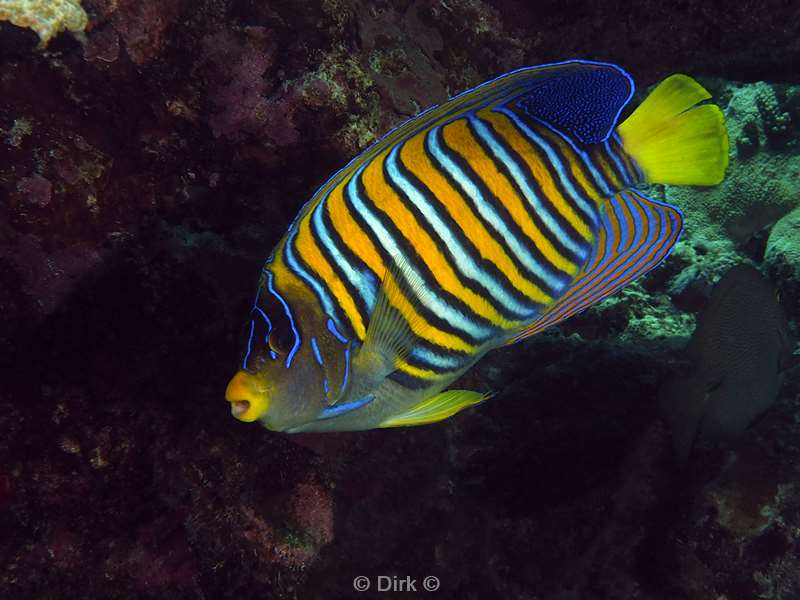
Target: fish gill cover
145 171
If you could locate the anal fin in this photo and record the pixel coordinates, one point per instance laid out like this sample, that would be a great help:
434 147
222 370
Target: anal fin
637 233
436 408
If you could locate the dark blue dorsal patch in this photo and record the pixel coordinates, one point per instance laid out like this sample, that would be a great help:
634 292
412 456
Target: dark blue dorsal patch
582 99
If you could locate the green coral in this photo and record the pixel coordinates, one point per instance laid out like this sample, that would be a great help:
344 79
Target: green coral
783 245
650 317
763 176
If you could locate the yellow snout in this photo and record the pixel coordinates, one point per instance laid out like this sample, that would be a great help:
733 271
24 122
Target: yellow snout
248 400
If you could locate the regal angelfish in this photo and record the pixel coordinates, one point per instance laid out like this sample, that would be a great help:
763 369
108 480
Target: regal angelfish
473 225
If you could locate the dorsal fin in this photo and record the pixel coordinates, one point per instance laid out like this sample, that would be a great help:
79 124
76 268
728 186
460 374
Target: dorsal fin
637 234
583 100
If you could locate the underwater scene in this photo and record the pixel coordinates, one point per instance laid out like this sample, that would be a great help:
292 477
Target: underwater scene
461 299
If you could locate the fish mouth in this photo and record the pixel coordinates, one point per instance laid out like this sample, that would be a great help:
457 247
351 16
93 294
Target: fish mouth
239 408
248 401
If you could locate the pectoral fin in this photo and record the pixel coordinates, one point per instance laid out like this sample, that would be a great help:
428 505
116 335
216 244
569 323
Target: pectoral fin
437 408
390 334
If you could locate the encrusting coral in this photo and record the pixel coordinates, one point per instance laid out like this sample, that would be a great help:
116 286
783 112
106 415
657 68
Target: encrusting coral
46 17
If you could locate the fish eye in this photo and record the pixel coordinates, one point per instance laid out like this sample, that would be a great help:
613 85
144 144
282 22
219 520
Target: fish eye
280 340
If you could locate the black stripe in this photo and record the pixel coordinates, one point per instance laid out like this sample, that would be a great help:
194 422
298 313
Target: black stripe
498 236
340 316
410 251
421 364
634 176
408 381
362 267
549 206
478 287
358 265
431 317
505 216
592 219
532 214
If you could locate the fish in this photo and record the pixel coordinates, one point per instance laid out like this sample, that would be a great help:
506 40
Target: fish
738 353
471 226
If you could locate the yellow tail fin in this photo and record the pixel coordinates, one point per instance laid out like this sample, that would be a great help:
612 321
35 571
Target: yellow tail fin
673 140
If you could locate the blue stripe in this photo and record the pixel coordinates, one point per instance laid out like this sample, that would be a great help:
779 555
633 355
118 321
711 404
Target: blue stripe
338 409
294 265
458 254
577 247
552 156
637 171
490 215
624 265
272 352
332 328
598 177
249 344
346 369
624 229
315 348
266 318
430 300
288 312
355 278
434 359
618 162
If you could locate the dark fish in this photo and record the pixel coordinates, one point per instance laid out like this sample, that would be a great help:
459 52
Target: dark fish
738 352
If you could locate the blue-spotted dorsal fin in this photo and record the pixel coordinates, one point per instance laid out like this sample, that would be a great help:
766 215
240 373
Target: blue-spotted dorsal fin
582 99
636 235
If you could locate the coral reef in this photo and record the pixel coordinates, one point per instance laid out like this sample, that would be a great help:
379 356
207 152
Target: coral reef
782 258
727 224
145 174
46 17
764 175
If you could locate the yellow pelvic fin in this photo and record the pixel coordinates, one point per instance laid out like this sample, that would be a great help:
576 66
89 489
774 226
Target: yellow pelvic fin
675 141
436 408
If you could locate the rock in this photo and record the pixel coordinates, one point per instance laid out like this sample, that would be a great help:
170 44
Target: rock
782 258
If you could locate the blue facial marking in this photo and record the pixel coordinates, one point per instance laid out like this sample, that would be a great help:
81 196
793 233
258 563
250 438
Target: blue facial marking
249 343
266 318
315 348
288 312
273 355
335 332
346 369
325 386
339 409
